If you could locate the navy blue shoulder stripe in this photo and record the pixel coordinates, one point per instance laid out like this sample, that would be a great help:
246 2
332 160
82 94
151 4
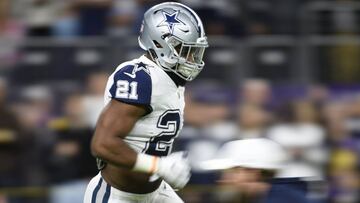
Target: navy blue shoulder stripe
96 190
107 194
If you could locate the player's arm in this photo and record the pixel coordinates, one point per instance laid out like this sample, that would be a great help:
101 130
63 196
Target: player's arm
131 99
115 122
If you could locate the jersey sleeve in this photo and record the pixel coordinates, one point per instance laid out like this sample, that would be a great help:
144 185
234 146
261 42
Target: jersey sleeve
132 86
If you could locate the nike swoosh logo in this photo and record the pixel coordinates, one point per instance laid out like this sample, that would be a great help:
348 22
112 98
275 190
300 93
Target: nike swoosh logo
130 75
186 31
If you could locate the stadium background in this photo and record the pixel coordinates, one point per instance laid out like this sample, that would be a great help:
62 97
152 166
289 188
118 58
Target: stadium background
274 67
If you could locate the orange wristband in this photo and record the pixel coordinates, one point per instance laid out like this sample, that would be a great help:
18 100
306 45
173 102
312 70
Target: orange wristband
153 168
146 163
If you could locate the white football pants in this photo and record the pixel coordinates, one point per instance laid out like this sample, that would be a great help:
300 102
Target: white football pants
98 191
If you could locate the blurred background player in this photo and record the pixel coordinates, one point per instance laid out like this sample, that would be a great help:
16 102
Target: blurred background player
144 112
250 175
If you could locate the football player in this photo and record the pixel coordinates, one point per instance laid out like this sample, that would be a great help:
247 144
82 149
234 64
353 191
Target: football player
144 112
251 170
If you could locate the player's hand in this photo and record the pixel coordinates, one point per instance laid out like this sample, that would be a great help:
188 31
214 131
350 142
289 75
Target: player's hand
174 169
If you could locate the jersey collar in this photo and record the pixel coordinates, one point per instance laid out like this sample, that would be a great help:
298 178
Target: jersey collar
149 61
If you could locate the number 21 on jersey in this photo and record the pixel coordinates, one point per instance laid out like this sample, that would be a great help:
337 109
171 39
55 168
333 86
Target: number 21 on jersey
126 90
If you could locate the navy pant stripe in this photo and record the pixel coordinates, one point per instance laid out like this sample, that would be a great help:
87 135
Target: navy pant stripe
107 194
96 190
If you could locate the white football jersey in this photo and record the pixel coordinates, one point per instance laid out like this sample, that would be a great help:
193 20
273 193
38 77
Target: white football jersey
143 82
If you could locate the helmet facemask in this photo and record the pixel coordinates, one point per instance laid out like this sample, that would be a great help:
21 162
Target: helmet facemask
187 57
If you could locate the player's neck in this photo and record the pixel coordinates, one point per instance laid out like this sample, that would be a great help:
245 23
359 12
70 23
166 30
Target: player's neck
177 80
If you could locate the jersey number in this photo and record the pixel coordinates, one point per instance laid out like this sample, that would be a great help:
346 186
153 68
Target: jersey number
161 144
126 90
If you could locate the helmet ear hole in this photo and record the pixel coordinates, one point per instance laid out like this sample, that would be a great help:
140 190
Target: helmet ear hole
157 44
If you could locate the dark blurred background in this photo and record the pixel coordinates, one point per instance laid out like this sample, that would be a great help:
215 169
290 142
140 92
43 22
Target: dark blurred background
283 69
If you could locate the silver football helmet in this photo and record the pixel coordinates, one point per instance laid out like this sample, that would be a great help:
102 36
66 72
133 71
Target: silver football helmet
174 35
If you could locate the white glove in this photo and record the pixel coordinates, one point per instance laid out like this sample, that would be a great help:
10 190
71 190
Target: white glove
174 169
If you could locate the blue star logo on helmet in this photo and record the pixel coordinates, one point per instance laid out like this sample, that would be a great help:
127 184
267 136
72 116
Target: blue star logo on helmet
170 20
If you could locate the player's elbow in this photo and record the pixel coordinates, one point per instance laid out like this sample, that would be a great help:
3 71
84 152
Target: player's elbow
101 140
101 146
95 149
98 147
